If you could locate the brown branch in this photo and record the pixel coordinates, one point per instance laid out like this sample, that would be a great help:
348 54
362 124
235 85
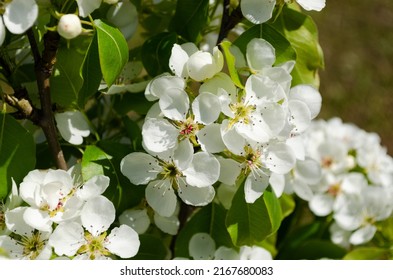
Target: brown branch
20 101
43 68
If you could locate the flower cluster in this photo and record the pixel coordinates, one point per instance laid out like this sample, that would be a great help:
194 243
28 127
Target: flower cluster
56 211
205 128
356 179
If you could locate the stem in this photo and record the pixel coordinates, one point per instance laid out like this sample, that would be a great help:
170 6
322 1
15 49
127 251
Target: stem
43 68
229 20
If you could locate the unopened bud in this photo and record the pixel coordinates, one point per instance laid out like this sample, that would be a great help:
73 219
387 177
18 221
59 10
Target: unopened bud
69 26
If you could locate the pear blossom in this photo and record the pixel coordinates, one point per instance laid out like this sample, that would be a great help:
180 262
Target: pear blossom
72 126
25 242
190 175
17 16
53 197
89 239
86 7
13 200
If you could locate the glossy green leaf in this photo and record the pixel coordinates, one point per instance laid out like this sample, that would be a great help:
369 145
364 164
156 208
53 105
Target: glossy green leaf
209 219
190 18
302 32
284 49
287 204
67 81
368 253
156 52
17 153
315 249
151 248
112 49
230 59
250 223
91 72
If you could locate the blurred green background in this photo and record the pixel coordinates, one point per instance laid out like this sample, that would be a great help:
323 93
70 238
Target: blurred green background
357 82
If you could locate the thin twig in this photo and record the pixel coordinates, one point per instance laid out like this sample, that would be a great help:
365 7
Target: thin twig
43 68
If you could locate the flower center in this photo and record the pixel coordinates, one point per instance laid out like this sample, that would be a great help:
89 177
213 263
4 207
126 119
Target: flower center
334 189
242 113
94 246
32 245
252 159
3 5
187 128
170 171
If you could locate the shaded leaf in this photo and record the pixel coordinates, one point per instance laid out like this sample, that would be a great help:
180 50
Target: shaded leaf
151 248
17 153
368 253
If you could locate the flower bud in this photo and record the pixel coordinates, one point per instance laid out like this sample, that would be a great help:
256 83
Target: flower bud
69 26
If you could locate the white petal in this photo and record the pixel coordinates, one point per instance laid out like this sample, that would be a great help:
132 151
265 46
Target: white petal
168 225
297 145
123 241
354 183
13 199
277 182
203 65
159 85
363 235
161 197
260 53
67 238
205 108
280 158
257 11
72 126
86 7
229 170
174 104
302 190
12 248
159 135
196 196
140 168
201 246
93 187
310 96
15 222
219 81
183 154
37 219
254 253
31 183
274 117
178 61
137 219
316 5
309 171
210 138
97 215
256 183
203 171
300 116
20 15
225 253
321 204
232 139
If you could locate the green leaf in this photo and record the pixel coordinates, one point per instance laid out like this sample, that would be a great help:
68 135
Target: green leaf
156 52
190 18
137 102
209 219
134 133
302 32
112 49
284 49
230 59
67 80
151 248
368 253
326 249
250 223
91 72
17 153
287 205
